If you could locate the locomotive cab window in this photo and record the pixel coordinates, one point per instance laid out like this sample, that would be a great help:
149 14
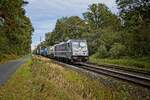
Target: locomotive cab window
82 44
75 44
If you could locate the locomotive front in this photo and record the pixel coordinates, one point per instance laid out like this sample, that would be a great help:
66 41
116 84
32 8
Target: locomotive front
79 50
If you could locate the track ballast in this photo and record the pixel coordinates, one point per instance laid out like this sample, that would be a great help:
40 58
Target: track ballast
137 78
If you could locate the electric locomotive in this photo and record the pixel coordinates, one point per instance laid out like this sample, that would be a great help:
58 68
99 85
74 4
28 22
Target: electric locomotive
72 50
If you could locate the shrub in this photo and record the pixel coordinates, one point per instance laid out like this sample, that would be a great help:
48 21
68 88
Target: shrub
102 52
118 50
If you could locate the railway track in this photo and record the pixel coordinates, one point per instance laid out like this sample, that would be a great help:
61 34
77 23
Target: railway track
138 78
128 69
134 77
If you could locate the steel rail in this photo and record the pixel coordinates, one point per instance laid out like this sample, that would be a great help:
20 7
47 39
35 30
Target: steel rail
127 76
119 67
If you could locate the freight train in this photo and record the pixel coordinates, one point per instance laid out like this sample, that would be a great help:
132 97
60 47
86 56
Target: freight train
71 51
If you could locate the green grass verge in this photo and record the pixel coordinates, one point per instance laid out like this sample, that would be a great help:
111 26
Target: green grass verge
130 63
40 79
17 88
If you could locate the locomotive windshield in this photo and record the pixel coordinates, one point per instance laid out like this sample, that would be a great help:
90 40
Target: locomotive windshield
79 44
75 44
82 44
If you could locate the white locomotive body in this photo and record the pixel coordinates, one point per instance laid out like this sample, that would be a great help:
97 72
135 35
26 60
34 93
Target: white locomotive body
72 50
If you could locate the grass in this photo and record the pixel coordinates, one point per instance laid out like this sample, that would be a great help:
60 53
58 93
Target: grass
130 63
17 88
40 79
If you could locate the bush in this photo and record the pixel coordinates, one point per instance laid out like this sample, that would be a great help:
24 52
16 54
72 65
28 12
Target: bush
102 52
118 50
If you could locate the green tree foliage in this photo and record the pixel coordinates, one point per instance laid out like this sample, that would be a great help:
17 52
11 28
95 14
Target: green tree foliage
99 16
16 31
102 52
118 50
66 28
101 21
136 21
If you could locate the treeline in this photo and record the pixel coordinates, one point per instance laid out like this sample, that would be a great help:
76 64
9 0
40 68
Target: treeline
109 35
15 28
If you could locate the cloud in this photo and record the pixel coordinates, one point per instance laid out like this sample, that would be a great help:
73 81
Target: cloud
44 13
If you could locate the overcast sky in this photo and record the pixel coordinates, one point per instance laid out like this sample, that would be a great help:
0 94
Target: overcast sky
44 13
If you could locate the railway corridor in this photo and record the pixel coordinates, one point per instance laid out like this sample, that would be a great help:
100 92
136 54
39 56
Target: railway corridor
44 78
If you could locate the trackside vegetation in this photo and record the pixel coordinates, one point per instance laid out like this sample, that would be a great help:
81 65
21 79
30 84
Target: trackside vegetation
137 64
41 79
15 29
109 35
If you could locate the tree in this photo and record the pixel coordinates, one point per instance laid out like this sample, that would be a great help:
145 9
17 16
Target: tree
99 16
17 29
118 50
101 21
66 28
136 22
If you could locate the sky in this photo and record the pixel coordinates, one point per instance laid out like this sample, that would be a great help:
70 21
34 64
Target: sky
44 13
